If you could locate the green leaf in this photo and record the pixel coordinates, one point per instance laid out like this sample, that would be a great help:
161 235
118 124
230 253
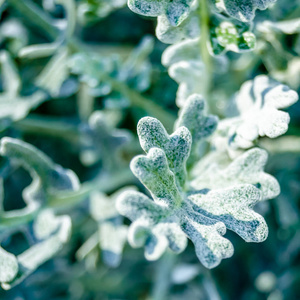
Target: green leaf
233 36
48 179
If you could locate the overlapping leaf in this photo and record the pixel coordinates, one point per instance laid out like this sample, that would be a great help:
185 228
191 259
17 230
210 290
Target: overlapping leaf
50 232
175 212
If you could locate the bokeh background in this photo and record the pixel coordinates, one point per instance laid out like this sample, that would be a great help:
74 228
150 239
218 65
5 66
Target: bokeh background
270 270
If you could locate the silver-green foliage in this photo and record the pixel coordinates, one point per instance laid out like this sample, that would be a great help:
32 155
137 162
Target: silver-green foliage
111 234
178 210
175 10
260 103
50 232
242 10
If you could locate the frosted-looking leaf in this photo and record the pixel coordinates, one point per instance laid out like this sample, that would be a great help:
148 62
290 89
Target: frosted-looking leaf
175 10
247 168
102 142
242 10
233 207
153 171
13 106
48 178
158 227
8 266
188 29
259 102
176 146
192 116
50 241
202 215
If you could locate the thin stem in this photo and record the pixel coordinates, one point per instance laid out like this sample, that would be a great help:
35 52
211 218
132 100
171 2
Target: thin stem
284 144
85 102
36 16
138 100
206 57
48 126
162 277
105 184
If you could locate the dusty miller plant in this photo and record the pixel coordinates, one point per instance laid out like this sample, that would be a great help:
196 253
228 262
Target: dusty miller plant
201 174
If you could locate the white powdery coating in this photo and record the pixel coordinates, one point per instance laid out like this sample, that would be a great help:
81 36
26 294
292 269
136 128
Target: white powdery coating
193 117
176 11
175 215
176 146
247 168
259 102
242 10
153 171
188 29
233 207
8 266
45 224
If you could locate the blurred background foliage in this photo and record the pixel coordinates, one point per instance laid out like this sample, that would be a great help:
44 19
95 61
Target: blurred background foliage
114 67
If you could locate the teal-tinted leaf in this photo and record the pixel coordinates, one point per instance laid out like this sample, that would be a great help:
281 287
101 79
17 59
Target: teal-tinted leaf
259 102
13 106
48 178
102 142
242 10
51 241
233 207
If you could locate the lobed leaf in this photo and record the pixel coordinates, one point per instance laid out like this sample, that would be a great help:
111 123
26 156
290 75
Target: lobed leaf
48 178
176 147
192 116
233 207
242 10
247 168
176 11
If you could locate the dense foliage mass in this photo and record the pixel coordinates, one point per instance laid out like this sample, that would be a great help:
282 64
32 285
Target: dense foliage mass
162 125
